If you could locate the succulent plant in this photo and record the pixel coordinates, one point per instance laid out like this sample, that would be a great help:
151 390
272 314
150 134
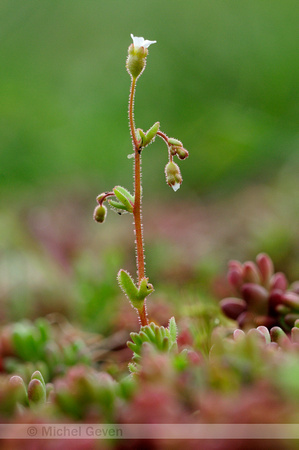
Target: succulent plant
263 297
28 346
161 338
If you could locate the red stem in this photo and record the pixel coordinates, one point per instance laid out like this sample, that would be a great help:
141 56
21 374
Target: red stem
138 203
163 136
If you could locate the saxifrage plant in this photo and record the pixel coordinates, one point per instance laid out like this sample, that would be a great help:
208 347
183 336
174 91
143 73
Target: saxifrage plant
121 200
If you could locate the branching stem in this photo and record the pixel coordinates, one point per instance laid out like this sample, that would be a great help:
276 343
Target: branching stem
163 136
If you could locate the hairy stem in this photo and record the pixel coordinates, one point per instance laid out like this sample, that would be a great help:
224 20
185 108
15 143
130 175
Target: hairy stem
163 136
138 203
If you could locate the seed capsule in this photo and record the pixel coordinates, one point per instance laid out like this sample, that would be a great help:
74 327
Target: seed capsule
100 213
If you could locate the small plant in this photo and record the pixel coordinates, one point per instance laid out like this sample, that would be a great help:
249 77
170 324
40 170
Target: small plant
26 347
121 200
161 338
262 296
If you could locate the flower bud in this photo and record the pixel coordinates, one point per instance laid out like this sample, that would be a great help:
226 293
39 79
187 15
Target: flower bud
100 213
137 54
173 175
182 153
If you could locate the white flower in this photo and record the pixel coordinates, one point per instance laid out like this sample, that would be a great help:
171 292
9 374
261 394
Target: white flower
141 42
176 186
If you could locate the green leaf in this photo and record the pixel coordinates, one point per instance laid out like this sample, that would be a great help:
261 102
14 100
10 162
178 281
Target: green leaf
44 329
123 199
117 205
126 193
162 339
36 392
38 376
133 368
173 329
150 134
175 142
134 294
140 135
129 288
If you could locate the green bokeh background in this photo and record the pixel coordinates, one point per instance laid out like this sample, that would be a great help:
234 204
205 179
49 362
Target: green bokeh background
222 77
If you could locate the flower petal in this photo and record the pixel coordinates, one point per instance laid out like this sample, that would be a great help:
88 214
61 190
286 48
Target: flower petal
141 42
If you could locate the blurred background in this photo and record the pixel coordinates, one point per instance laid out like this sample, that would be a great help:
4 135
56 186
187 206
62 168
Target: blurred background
223 78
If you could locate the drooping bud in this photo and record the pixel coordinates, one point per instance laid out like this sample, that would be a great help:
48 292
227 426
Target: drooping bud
176 148
182 153
173 175
100 213
137 54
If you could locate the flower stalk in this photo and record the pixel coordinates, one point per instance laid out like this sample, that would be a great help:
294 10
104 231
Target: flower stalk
137 210
126 202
